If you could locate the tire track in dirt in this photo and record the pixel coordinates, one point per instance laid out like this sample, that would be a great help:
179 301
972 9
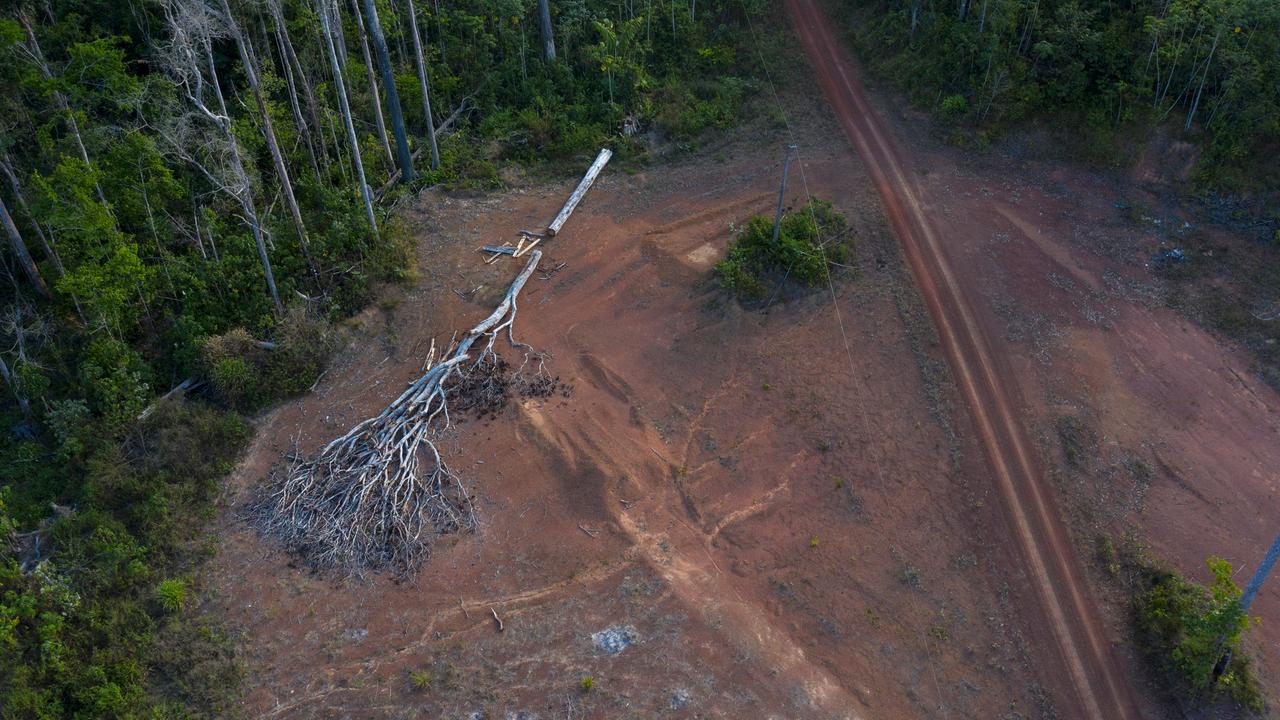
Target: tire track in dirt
1093 686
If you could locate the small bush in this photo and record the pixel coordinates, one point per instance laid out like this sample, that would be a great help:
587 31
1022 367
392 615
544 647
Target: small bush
587 684
172 594
1107 555
1187 628
248 375
808 239
421 679
954 107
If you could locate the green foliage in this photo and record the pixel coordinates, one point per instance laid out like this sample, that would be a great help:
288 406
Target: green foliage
1203 65
77 630
954 107
172 594
138 218
248 375
1187 628
421 679
809 238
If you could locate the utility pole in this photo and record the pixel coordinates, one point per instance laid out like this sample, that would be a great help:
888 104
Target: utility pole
1246 599
1268 562
782 192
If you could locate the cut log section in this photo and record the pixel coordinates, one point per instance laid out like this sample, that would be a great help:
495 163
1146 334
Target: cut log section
579 192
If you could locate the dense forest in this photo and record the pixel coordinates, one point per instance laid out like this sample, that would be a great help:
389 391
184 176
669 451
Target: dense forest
1104 71
193 191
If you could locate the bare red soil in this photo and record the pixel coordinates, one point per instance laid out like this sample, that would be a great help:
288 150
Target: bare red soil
786 537
1095 686
1045 268
792 512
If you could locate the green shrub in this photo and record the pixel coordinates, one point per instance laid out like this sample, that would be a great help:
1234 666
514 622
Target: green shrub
808 240
172 595
248 374
421 679
954 107
1187 628
233 378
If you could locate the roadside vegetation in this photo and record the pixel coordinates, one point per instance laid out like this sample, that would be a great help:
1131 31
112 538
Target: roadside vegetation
1190 633
193 193
1107 74
810 239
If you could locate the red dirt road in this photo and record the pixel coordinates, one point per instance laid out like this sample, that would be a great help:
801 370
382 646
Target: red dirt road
1092 685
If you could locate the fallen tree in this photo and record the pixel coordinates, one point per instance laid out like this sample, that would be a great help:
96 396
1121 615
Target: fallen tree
367 500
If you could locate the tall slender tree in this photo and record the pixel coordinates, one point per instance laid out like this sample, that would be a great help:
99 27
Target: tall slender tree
249 60
37 56
548 37
18 195
327 11
313 112
426 87
192 31
295 107
379 119
21 253
393 97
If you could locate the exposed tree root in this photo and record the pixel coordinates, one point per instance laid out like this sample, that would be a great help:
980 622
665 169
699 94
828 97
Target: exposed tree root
367 500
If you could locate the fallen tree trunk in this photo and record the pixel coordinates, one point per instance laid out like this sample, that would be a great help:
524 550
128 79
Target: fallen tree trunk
365 501
579 192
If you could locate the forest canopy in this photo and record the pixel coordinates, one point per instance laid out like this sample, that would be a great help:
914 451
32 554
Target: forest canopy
1109 71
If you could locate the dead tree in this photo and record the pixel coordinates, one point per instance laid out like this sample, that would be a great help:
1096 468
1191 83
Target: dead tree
380 121
393 96
367 500
191 45
25 330
548 37
21 253
304 80
426 87
45 243
327 11
249 61
11 380
295 107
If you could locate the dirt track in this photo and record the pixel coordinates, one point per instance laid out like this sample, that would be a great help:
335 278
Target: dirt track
1098 689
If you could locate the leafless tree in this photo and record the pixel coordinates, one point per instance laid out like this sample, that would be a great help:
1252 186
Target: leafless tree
548 36
379 120
426 86
328 11
404 157
24 331
249 61
185 57
20 251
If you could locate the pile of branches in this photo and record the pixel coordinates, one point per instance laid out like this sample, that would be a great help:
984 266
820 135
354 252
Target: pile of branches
374 498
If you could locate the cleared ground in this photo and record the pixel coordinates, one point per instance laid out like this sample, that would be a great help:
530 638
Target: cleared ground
791 512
